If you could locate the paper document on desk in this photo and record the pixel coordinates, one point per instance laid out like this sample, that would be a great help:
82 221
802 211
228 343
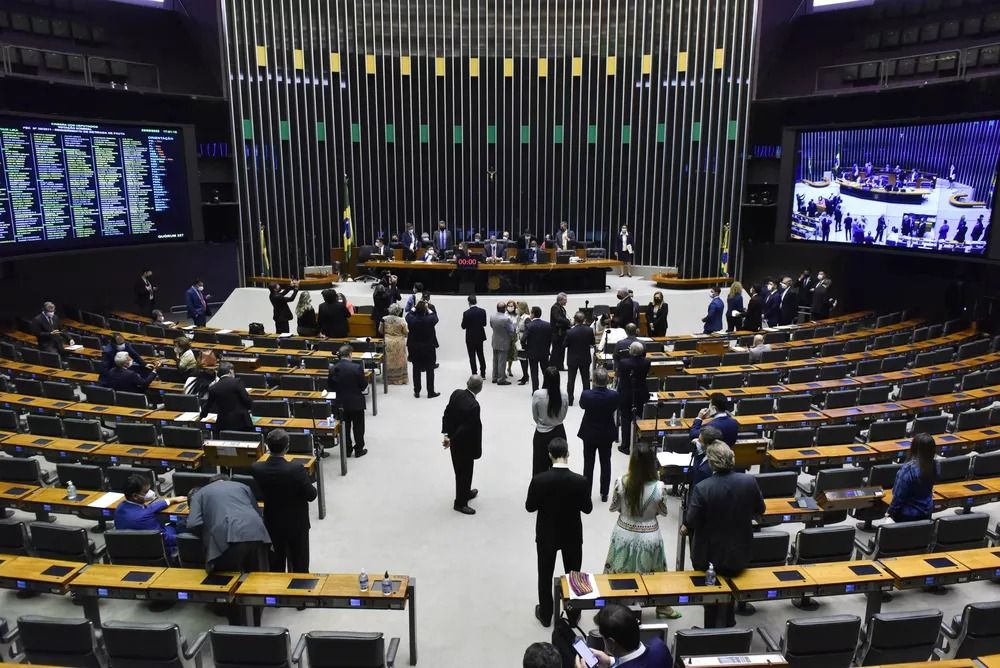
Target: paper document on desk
367 356
223 331
190 416
168 323
188 328
594 591
678 459
644 338
284 335
75 347
331 395
106 500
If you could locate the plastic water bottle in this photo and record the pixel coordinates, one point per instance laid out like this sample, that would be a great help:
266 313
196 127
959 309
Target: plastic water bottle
70 490
302 363
673 419
386 585
710 579
363 580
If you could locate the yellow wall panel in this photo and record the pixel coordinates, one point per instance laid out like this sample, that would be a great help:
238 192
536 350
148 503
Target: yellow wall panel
720 58
647 63
543 67
612 65
508 67
577 66
298 59
261 56
440 67
682 61
405 67
473 67
371 64
334 62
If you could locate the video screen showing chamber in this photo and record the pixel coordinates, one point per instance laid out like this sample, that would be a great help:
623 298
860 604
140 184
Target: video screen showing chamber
928 187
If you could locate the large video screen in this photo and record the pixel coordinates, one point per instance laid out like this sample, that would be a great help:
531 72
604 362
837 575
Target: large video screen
927 187
67 185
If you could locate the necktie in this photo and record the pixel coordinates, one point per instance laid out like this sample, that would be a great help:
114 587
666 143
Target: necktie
442 240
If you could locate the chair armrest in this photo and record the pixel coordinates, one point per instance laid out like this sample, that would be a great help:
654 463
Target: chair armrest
772 645
196 646
50 478
947 631
300 647
101 554
863 547
10 636
390 654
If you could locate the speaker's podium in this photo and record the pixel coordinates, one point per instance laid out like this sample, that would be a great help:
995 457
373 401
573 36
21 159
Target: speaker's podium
849 499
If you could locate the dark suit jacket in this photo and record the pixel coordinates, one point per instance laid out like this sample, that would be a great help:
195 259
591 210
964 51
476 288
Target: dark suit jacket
624 312
820 303
193 298
422 340
579 341
279 302
406 239
474 324
727 424
463 426
558 495
142 297
599 405
524 243
632 372
772 309
720 519
125 380
348 380
753 318
109 351
789 308
225 512
657 325
436 240
657 655
332 318
560 323
230 401
621 247
287 492
42 330
500 252
713 320
537 339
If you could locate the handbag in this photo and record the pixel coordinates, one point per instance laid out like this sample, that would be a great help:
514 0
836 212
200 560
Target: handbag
256 329
208 359
564 634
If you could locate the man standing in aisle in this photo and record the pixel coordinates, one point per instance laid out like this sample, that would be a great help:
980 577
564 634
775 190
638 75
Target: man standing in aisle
579 344
462 434
442 239
598 430
537 340
558 495
348 380
145 292
197 303
560 325
474 324
503 330
713 320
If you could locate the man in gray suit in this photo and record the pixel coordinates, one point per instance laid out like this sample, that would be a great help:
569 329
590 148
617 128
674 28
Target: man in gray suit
503 332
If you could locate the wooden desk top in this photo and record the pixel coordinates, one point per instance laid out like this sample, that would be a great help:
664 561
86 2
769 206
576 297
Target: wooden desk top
985 435
965 488
149 452
301 395
278 584
821 385
755 579
947 663
989 661
107 575
30 568
682 582
345 585
786 506
308 461
194 579
867 410
30 401
978 559
172 416
15 491
802 456
847 572
34 442
805 418
921 565
499 266
604 586
84 408
57 496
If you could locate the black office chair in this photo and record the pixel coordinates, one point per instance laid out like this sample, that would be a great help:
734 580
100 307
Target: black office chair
253 380
899 637
118 477
724 381
778 485
868 367
14 538
960 532
87 430
817 642
142 645
792 437
710 642
856 346
313 410
26 471
927 358
298 383
184 481
898 539
944 385
680 383
841 399
819 545
897 363
692 408
973 381
9 421
762 378
831 349
880 475
190 551
930 424
300 444
242 646
250 482
29 386
77 644
84 476
978 419
828 479
801 375
54 541
734 358
801 353
131 400
880 342
324 362
136 433
59 390
190 438
974 633
661 409
985 465
45 425
704 361
769 548
794 403
836 434
270 408
136 548
773 355
96 394
953 469
886 430
833 371
777 337
185 403
874 395
346 649
755 406
233 435
914 390
30 355
973 349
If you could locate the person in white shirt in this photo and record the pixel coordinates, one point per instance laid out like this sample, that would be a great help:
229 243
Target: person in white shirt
548 408
623 249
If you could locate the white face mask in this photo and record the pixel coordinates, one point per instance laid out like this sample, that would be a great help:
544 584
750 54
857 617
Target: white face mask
150 496
120 346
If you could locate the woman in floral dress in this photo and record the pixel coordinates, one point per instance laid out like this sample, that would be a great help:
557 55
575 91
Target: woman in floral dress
394 329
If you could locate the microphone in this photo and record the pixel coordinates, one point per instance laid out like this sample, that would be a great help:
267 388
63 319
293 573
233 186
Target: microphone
586 303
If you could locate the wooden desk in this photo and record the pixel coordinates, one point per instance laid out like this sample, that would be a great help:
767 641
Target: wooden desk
983 563
867 412
47 500
91 411
925 570
53 448
193 584
767 583
161 459
817 386
990 661
947 663
31 403
308 462
15 491
967 493
786 510
39 575
107 581
820 455
341 590
281 589
634 591
684 588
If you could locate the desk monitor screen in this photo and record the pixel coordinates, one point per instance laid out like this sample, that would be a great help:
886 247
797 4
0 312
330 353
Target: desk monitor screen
355 602
41 441
864 569
136 451
181 507
57 571
137 576
940 562
858 448
87 446
189 454
620 584
182 596
809 452
303 583
216 580
975 487
789 576
768 418
13 491
270 600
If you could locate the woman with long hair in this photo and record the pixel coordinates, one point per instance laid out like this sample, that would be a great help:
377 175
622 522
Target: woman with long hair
511 312
734 307
523 316
199 382
548 407
639 498
913 491
656 316
305 316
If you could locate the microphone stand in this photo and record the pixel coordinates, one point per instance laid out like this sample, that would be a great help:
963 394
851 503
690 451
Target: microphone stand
681 542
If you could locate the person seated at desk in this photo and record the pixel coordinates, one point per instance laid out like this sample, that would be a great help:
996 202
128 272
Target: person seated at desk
159 319
494 251
430 255
534 254
47 328
116 345
186 361
718 415
122 378
913 491
138 512
622 643
462 251
756 349
379 248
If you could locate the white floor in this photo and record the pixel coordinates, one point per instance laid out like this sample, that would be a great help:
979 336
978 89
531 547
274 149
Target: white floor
476 575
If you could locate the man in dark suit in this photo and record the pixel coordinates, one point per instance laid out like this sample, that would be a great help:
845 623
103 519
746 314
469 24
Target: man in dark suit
789 308
442 238
719 519
119 345
717 414
753 318
145 292
197 303
621 346
495 251
579 344
537 339
462 434
534 254
279 298
772 305
410 242
421 344
122 378
348 380
821 300
332 316
560 325
524 241
47 328
229 400
287 491
624 312
632 393
558 495
597 429
474 324
623 646
825 224
565 238
713 319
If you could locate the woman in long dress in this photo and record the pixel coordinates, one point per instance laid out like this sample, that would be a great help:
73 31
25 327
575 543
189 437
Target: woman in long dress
512 351
393 328
636 542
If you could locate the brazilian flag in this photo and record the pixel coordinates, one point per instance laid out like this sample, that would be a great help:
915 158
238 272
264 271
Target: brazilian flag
347 229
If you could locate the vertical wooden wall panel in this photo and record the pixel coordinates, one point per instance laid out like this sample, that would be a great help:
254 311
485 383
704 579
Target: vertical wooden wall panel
491 115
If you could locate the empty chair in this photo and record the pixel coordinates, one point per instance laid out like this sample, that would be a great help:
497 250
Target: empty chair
95 394
774 355
54 541
960 532
794 403
944 355
934 331
735 358
190 438
184 481
920 334
722 381
886 430
855 346
927 358
59 390
9 420
136 548
972 420
45 425
974 633
131 400
190 550
86 430
880 342
243 646
973 349
253 380
784 437
899 637
343 649
897 363
77 645
985 465
973 381
661 409
29 386
776 337
270 408
841 399
836 434
30 355
777 485
118 476
762 378
817 642
755 406
137 645
269 359
14 538
26 471
680 383
914 390
250 482
846 478
901 338
768 548
833 371
832 348
930 424
135 433
874 395
822 544
233 435
897 540
296 383
880 475
692 408
803 375
185 403
951 469
710 642
868 367
84 476
825 331
300 444
801 353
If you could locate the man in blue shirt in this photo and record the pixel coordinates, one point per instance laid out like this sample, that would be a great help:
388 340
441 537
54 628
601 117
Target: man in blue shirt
717 414
119 345
713 321
138 512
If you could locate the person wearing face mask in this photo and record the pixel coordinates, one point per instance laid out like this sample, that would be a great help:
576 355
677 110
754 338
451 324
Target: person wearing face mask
145 292
656 316
118 345
410 241
789 309
140 509
772 305
718 415
123 377
442 238
753 318
623 249
47 328
700 468
713 320
533 255
197 303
